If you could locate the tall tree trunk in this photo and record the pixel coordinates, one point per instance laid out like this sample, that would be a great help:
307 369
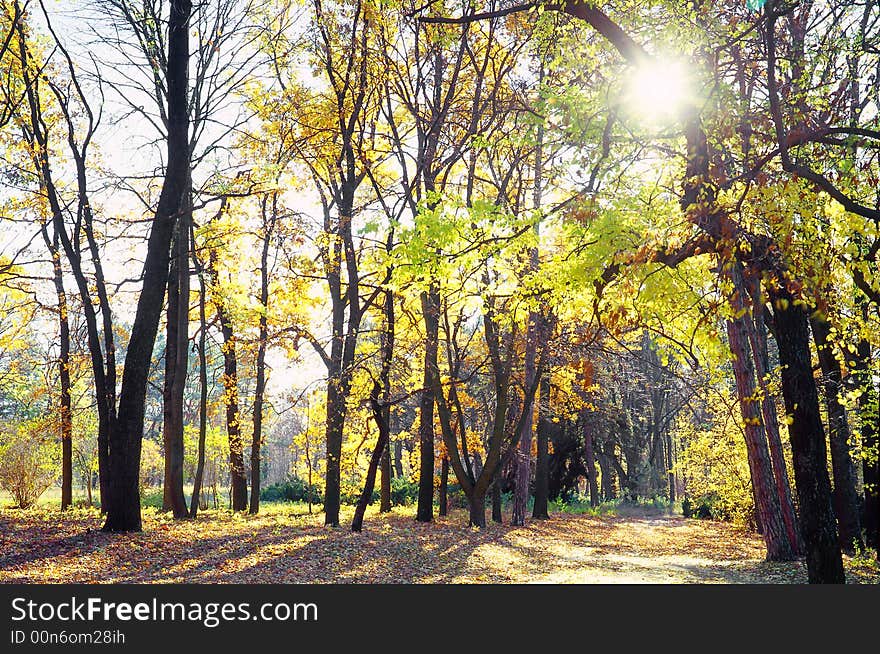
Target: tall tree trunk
590 460
739 327
477 508
431 315
238 479
262 337
378 452
398 459
385 481
846 499
203 395
542 457
444 487
496 497
761 355
869 410
176 360
64 408
824 563
524 455
104 378
123 507
337 392
380 403
670 466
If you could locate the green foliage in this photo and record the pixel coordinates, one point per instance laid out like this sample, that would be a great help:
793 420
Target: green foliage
404 491
293 489
29 463
714 463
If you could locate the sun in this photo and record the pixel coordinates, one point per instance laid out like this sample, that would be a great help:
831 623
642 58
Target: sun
658 92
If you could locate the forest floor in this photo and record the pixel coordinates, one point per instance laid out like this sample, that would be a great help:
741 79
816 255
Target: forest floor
284 544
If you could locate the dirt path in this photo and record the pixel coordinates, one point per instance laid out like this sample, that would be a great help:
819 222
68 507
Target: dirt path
285 546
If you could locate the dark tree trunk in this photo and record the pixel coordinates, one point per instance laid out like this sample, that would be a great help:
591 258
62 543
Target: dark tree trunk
238 478
608 477
431 314
542 457
263 335
337 392
378 452
824 563
590 461
477 504
203 395
496 497
176 360
385 481
64 408
104 377
670 466
444 487
380 403
868 417
398 459
771 420
523 454
846 499
123 507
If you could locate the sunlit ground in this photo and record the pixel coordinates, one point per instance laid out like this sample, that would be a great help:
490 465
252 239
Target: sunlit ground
284 544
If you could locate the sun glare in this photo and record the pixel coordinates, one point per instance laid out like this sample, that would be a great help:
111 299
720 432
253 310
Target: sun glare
658 92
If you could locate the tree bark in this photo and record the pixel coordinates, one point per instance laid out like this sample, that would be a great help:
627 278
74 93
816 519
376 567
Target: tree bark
590 460
763 483
846 499
431 315
238 479
444 487
176 360
123 507
64 403
868 417
824 563
496 497
758 335
542 457
262 338
203 394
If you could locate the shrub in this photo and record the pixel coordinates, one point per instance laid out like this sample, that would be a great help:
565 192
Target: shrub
293 489
687 509
404 492
29 464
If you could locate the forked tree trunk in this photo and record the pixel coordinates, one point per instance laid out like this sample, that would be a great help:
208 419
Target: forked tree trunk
123 507
767 505
758 335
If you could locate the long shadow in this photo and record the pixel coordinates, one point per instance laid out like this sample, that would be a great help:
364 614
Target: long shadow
39 547
368 557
